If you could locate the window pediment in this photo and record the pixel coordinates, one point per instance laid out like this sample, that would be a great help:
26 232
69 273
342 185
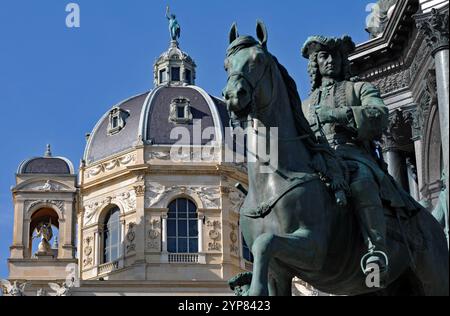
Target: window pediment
180 111
117 120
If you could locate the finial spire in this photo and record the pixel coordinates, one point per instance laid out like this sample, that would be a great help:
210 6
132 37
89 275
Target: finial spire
48 152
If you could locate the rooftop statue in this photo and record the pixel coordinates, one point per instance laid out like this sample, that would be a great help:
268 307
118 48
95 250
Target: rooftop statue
290 218
63 290
174 27
13 289
379 17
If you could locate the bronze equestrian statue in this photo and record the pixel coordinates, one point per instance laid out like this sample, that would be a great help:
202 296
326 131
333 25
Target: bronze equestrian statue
290 218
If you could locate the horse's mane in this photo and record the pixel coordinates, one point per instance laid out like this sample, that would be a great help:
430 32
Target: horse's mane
302 124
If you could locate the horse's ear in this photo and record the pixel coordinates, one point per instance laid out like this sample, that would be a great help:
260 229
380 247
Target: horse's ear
261 32
233 32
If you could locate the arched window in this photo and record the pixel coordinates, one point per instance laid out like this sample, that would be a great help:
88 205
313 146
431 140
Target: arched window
44 224
111 235
182 227
246 252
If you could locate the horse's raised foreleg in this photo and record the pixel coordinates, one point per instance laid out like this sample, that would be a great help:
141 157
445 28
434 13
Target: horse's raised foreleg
299 250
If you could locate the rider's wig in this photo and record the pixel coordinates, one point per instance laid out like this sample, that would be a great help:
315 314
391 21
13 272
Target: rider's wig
344 46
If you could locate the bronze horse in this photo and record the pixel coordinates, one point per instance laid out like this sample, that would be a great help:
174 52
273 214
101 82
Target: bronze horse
289 218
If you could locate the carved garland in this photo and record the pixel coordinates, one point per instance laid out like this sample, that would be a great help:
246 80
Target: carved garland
111 165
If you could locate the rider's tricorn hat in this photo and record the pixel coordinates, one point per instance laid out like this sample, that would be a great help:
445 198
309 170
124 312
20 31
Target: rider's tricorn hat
318 43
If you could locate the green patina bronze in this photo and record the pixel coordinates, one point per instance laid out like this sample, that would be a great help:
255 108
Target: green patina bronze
290 218
174 27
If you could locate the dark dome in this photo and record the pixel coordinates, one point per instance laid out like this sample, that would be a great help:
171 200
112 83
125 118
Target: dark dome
46 165
146 119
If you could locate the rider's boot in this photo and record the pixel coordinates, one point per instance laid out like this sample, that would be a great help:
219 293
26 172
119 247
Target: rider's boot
374 232
369 209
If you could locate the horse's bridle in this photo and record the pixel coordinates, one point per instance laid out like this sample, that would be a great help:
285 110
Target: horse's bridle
253 87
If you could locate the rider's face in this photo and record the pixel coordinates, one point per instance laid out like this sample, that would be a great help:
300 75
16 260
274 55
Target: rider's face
330 64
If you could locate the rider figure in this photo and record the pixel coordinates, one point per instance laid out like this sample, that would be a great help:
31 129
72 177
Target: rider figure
351 115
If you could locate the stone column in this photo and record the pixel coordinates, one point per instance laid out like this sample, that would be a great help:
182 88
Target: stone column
164 234
140 239
98 247
122 239
200 232
434 26
392 154
412 179
394 160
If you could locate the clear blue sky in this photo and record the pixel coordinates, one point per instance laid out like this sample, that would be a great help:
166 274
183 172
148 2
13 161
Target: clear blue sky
56 82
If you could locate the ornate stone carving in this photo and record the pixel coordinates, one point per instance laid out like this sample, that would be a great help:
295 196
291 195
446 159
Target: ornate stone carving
13 289
394 135
210 196
236 199
434 26
46 186
214 235
41 292
111 165
128 200
393 81
131 236
87 251
139 190
159 155
234 248
92 208
420 115
153 234
63 290
398 75
155 192
30 204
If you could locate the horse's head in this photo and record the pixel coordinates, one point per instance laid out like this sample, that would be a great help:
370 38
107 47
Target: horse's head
248 67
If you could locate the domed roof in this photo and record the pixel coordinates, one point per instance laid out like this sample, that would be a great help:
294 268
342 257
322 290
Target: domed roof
151 117
148 118
46 165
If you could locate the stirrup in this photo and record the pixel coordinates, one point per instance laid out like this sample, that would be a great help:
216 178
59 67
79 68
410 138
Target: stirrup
373 253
